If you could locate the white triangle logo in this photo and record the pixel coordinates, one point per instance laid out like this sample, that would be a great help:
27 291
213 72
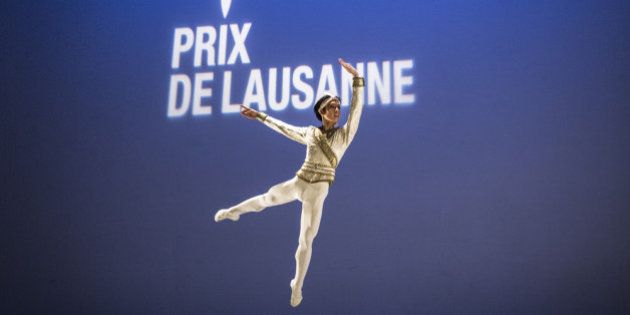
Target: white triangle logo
225 7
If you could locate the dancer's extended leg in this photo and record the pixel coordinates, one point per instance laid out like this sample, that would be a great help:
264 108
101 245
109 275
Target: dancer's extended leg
277 195
312 204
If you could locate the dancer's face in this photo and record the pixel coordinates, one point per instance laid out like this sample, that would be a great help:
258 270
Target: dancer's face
331 112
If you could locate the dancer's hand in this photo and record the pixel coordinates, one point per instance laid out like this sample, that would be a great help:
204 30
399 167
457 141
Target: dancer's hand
248 112
349 68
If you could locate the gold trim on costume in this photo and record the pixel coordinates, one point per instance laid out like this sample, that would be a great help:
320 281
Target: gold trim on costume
261 116
358 81
328 152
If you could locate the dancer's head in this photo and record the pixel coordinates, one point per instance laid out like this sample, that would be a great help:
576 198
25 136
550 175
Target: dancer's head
327 109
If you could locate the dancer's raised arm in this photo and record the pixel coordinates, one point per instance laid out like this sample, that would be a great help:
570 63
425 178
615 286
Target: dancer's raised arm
356 104
294 133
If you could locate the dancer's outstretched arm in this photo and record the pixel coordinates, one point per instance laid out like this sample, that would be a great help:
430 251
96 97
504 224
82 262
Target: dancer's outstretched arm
292 132
356 104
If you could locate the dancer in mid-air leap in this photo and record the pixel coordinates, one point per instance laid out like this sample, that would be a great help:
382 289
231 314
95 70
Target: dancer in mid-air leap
325 145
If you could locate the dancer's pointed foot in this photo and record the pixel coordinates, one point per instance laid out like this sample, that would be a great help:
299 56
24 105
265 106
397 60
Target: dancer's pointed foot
225 214
296 295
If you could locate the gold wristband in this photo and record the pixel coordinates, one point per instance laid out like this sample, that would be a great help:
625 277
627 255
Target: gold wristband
261 116
358 81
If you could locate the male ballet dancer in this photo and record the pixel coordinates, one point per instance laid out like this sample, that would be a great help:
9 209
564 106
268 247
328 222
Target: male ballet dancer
325 145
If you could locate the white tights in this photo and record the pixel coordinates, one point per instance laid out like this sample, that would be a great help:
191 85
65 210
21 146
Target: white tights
312 196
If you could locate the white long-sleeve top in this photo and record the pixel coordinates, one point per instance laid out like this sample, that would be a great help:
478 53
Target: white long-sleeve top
323 152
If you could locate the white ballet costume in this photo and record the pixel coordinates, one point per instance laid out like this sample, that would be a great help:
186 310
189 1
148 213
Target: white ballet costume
324 150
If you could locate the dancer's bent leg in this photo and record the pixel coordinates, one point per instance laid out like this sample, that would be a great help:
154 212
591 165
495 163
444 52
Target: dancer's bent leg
312 204
277 195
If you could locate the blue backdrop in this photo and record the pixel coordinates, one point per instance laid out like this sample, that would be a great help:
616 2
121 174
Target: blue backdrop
503 187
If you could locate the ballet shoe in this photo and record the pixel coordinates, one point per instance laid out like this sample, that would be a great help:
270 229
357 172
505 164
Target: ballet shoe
296 296
225 214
